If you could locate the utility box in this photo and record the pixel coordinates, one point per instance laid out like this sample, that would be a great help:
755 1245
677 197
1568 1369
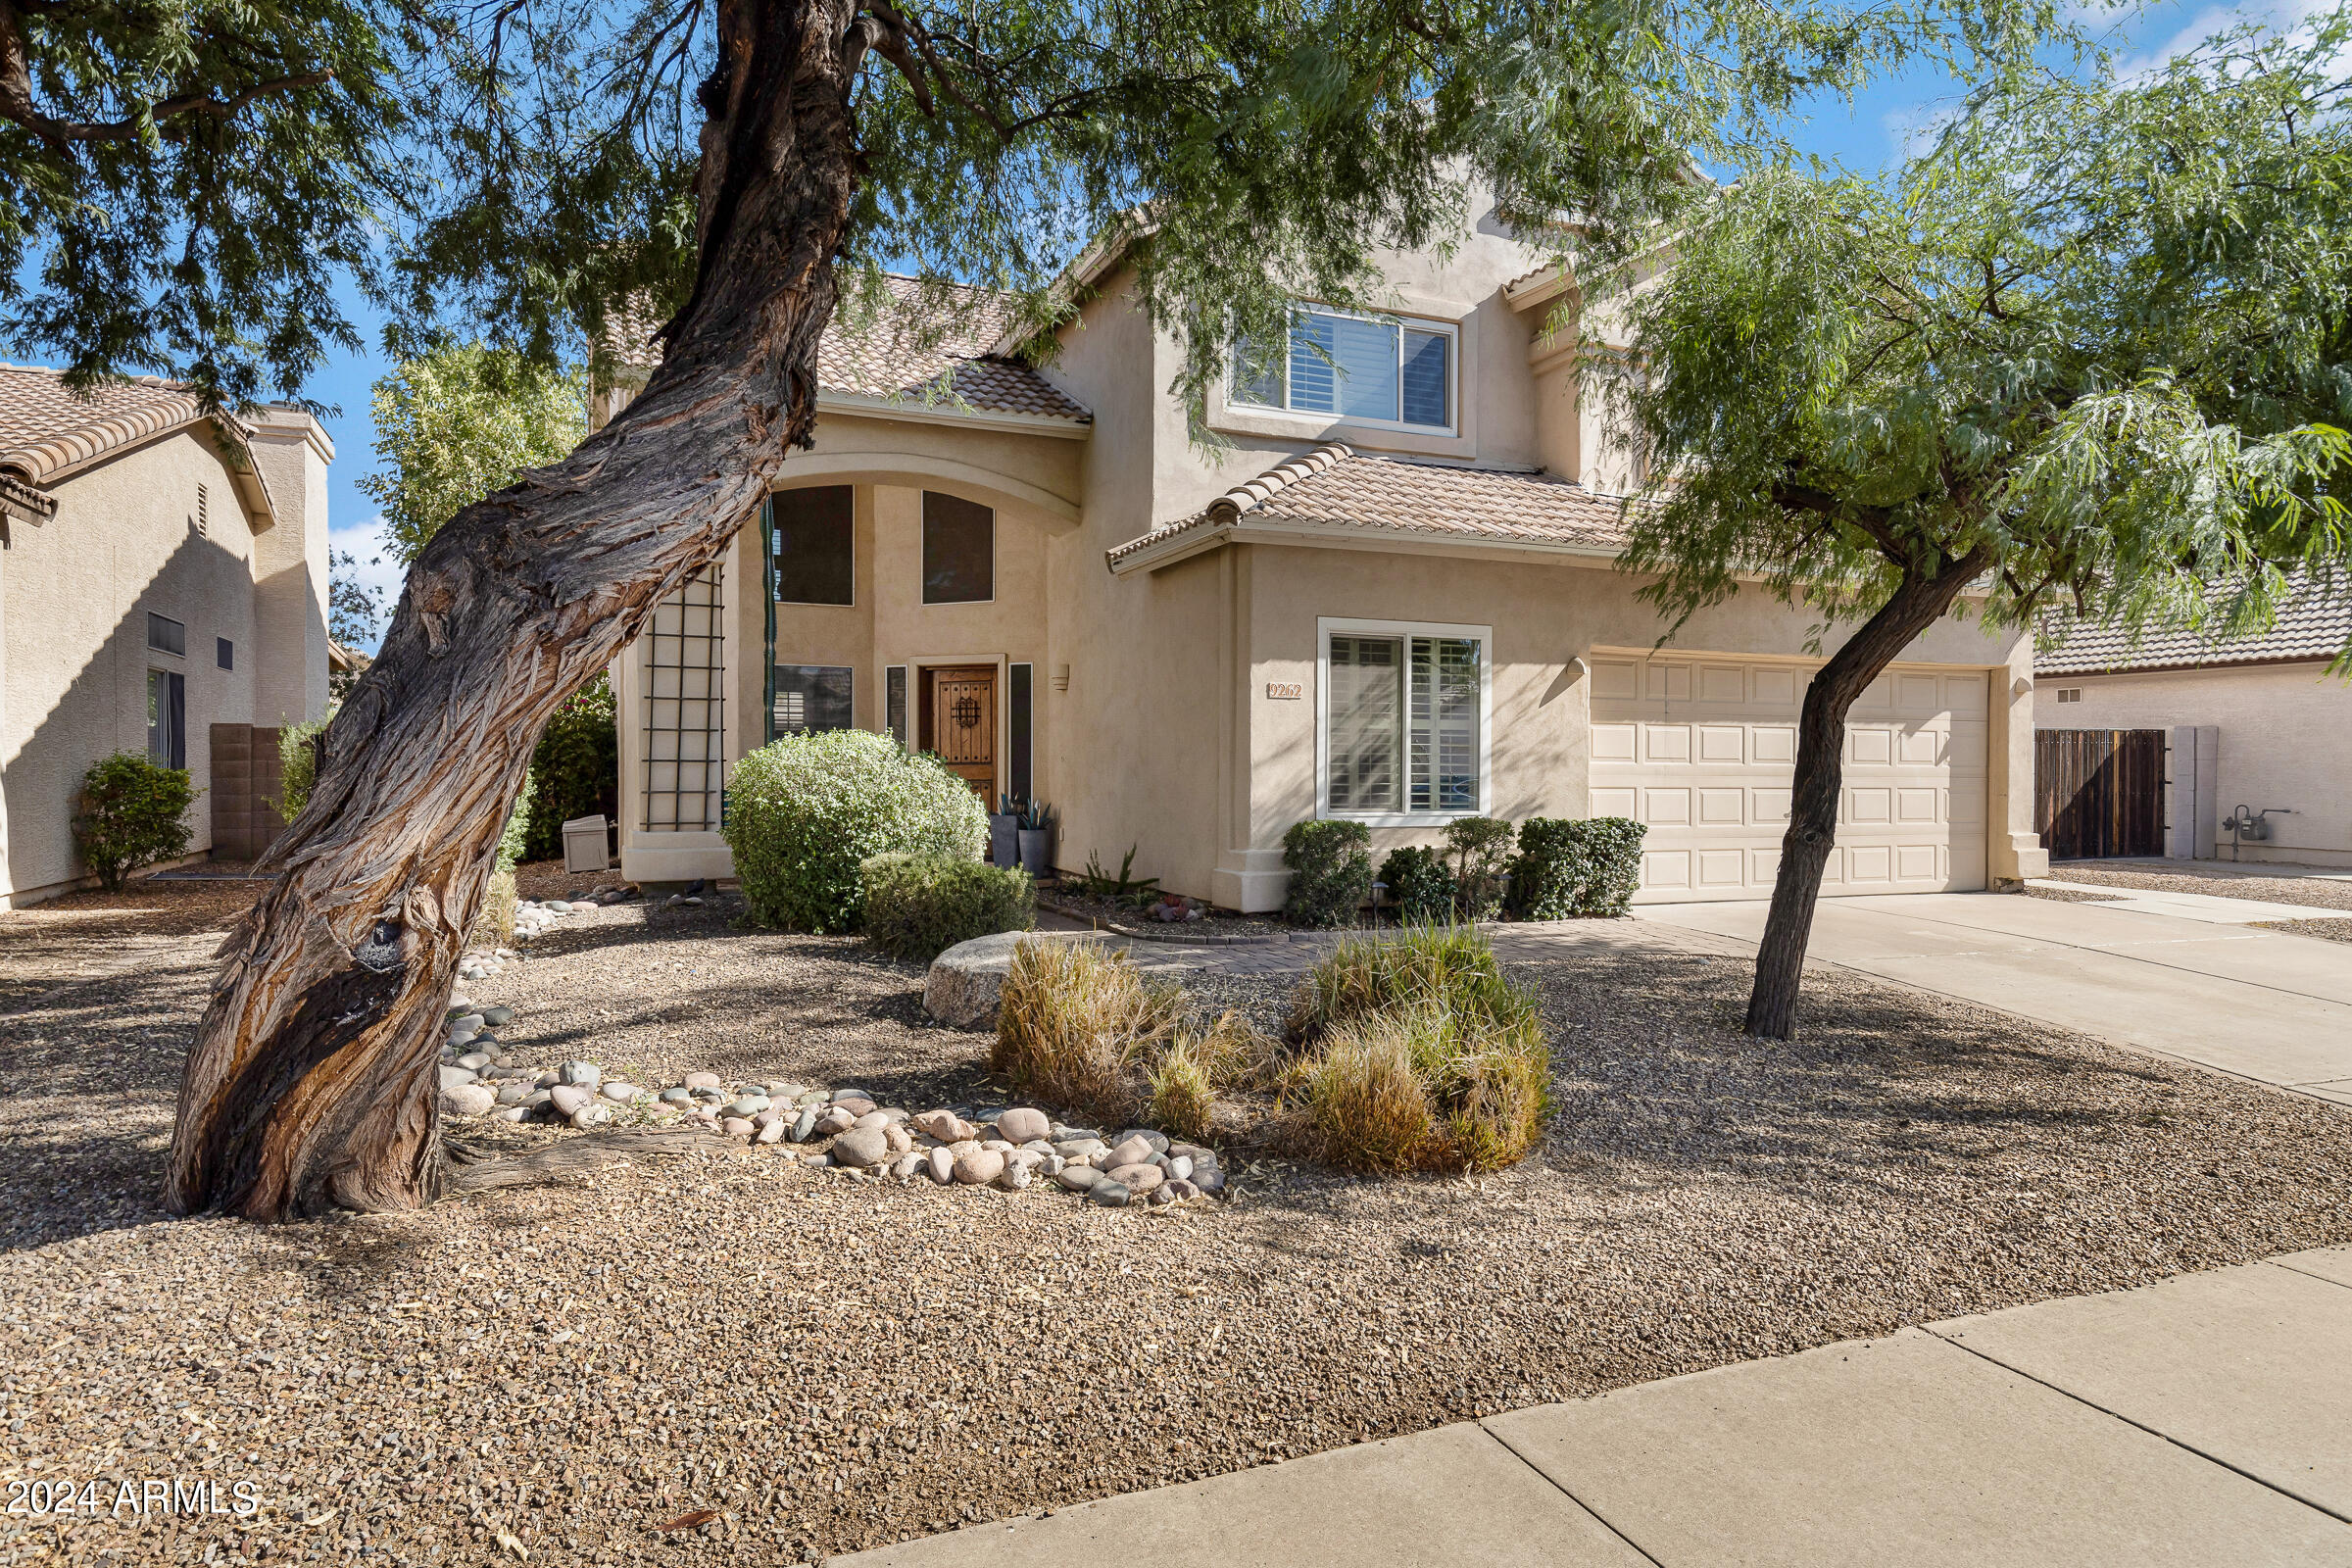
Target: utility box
587 846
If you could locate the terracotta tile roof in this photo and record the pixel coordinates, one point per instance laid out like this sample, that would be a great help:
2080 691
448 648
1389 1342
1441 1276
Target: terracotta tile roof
46 427
1336 486
892 358
2312 625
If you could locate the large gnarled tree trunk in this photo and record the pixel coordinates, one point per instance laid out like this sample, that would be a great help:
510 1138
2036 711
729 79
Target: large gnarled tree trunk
1921 600
312 1082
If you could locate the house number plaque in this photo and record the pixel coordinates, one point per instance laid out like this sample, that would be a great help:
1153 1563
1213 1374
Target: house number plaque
1285 690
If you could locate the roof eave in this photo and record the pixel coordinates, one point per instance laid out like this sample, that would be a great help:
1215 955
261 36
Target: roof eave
1185 543
864 406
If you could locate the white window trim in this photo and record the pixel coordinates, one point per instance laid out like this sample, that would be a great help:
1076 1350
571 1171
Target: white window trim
1325 626
1452 331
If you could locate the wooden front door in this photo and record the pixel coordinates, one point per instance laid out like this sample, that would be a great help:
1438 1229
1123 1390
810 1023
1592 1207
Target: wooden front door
958 725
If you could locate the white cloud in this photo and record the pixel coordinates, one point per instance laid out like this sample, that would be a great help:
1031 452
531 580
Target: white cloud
1913 129
376 566
2280 16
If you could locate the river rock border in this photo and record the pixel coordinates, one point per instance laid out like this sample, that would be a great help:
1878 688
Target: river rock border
1007 1146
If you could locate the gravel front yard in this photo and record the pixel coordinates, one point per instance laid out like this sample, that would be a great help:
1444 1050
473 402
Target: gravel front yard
2217 878
833 1364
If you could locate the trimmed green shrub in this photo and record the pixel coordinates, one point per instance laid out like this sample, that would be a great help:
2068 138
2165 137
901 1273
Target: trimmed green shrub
1419 884
804 811
1331 872
298 763
1418 1054
1568 869
133 814
576 769
919 906
1482 854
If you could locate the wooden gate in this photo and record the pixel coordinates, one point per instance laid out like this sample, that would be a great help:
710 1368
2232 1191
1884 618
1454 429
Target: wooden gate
2098 792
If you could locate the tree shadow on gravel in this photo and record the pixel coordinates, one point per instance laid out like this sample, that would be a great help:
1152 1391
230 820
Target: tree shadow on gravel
1650 1069
89 1082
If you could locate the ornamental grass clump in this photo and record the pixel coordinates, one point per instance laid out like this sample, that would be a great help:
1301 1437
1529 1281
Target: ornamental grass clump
1416 1052
1081 1028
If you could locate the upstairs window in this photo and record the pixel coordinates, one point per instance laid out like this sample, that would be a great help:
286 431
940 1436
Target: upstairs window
814 545
166 635
1373 370
959 551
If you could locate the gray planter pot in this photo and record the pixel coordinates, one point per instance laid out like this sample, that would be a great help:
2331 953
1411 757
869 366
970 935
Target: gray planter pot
1003 839
1037 851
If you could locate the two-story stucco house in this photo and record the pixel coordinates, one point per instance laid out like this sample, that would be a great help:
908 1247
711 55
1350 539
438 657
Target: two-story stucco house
1390 596
162 571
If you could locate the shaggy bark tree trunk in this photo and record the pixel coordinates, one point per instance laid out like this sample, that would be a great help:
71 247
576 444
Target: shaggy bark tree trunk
313 1080
1918 604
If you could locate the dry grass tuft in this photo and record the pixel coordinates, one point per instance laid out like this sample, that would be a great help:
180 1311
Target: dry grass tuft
1431 1007
494 927
1079 1028
1365 1105
1182 1096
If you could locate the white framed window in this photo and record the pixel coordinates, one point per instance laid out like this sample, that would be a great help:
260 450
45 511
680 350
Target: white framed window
1402 726
1396 372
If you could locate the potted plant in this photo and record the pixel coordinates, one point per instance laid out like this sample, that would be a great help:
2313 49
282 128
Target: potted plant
1004 833
1037 840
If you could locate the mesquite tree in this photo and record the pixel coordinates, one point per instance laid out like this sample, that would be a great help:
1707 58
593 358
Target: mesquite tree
725 158
2088 359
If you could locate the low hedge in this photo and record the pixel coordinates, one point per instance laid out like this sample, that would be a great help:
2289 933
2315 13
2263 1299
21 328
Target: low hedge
1331 872
133 814
1568 869
805 811
919 906
1418 882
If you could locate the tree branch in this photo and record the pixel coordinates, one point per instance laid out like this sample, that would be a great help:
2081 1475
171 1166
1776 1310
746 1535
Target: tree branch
17 97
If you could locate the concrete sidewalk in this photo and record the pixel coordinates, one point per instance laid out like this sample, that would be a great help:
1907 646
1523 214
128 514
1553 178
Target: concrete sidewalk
2263 1004
2204 1420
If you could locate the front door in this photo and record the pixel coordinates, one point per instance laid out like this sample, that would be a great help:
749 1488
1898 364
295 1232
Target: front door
958 725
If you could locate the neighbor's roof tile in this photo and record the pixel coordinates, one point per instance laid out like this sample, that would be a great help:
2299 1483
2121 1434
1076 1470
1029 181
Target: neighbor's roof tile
1336 486
2312 625
46 427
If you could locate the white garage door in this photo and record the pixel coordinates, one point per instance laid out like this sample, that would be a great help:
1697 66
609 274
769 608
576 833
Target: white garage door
1702 750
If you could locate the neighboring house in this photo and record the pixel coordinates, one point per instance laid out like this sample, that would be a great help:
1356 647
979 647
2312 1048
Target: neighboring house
2258 723
161 570
1388 597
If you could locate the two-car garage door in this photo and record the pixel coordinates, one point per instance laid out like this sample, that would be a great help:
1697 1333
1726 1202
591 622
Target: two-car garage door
1702 750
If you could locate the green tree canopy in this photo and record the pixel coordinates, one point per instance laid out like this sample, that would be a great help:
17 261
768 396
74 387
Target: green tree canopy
181 184
458 422
2089 353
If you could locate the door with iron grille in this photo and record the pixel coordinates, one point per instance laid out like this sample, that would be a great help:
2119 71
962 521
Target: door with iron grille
959 723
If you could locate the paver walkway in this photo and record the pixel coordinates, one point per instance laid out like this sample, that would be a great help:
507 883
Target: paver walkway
2268 1006
2204 1420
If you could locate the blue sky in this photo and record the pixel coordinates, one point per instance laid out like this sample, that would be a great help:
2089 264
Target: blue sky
1864 135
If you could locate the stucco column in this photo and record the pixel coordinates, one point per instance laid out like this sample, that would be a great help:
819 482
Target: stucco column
2012 848
290 569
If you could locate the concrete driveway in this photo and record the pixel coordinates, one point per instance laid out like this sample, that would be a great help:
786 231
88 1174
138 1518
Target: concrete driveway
2264 1004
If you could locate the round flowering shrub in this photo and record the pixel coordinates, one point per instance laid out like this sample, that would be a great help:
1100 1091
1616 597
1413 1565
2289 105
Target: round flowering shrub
802 811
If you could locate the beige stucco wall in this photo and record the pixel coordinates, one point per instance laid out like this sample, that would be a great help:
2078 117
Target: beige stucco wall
75 596
1544 616
2286 740
1029 475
